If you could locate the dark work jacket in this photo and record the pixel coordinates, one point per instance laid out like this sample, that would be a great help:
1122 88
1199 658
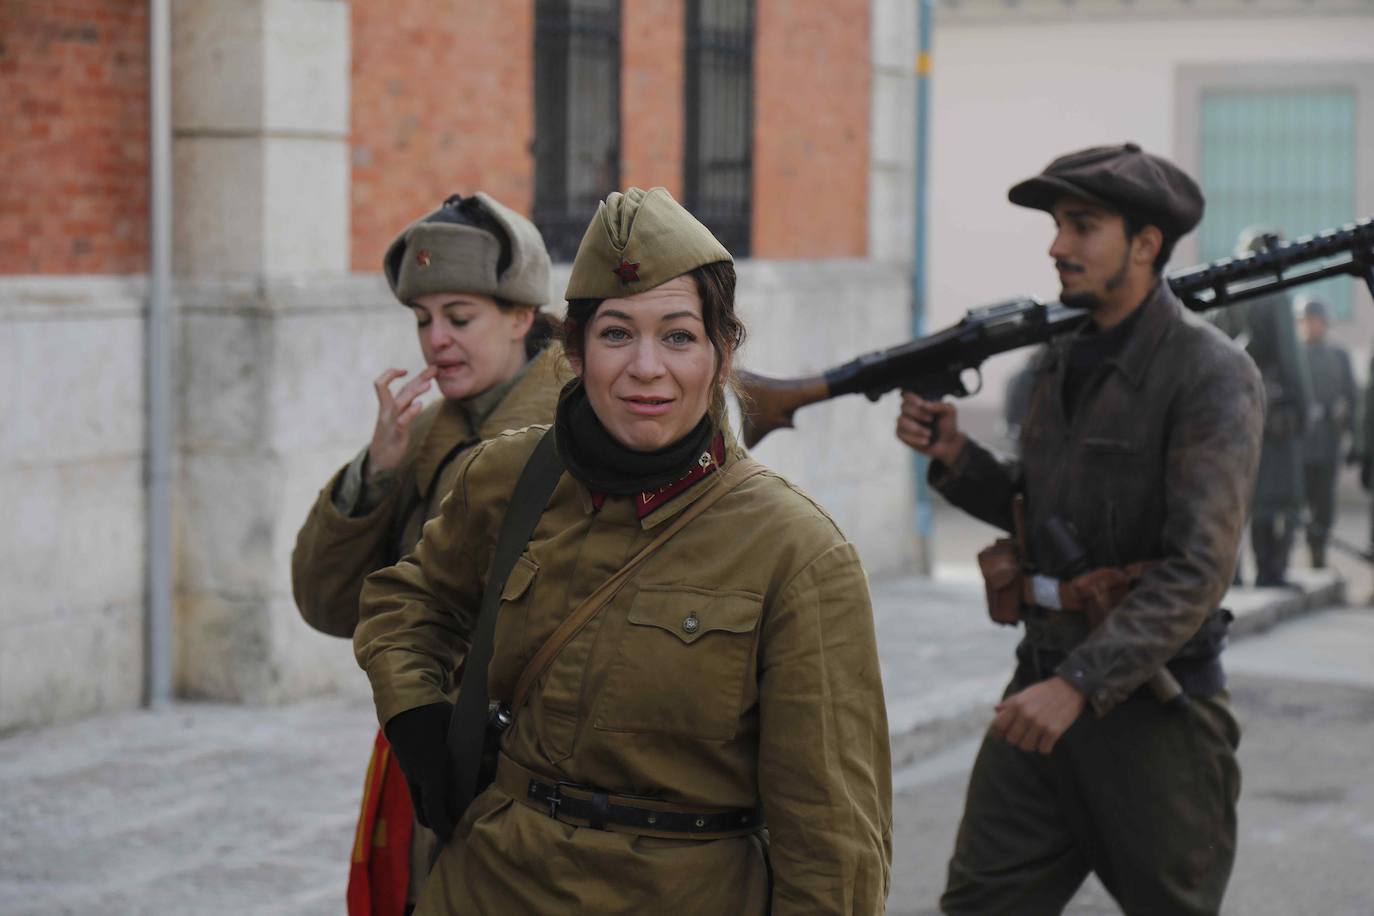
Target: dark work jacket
1157 464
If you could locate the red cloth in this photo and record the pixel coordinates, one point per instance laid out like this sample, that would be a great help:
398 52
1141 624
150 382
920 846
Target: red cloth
379 875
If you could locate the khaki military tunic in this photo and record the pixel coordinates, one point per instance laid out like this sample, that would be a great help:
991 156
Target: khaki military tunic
770 697
336 549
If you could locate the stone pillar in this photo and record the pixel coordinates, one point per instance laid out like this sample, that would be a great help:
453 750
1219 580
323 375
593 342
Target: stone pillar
261 183
892 125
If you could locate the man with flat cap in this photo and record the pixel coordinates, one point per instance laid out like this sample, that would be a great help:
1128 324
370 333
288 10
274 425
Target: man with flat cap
1138 453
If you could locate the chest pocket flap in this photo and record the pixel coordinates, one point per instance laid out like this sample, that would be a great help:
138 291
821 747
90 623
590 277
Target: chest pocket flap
691 613
684 664
521 575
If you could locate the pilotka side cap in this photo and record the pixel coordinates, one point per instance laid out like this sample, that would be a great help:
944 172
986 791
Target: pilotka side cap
638 240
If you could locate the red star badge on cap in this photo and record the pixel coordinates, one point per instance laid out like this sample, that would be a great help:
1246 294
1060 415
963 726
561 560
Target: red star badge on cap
422 257
628 271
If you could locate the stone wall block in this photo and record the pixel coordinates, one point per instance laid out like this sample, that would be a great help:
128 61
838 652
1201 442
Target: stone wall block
223 647
73 389
29 545
218 198
322 394
894 129
306 66
804 317
304 205
65 665
229 507
891 214
226 375
217 65
306 662
894 34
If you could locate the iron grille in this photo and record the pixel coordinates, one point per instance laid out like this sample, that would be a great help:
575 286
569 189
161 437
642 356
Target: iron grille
577 116
718 162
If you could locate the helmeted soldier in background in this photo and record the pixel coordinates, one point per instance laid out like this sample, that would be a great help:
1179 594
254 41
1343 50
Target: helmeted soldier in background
1266 327
1332 418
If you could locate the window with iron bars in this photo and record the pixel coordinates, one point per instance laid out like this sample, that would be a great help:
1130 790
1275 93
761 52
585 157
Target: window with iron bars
577 116
718 162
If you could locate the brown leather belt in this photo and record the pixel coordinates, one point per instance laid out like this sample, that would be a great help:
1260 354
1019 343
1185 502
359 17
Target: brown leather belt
585 806
1099 590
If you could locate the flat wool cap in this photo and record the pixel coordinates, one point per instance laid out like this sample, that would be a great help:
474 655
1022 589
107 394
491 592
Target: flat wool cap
1125 178
470 245
639 240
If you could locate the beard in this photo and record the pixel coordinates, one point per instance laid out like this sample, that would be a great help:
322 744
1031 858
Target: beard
1091 300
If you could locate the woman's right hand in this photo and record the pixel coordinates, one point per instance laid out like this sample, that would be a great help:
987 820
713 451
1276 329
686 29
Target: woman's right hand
391 436
930 427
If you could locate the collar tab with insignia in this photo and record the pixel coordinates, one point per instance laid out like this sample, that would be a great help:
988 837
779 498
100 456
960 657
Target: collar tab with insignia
648 501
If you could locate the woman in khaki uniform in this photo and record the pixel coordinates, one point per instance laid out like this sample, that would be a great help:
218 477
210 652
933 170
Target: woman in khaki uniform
732 681
474 274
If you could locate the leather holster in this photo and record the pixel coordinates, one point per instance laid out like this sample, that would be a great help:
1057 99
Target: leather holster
1003 580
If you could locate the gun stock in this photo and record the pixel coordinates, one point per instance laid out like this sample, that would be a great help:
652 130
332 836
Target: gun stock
767 403
933 365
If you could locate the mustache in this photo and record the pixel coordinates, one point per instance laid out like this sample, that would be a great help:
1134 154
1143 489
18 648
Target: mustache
1068 267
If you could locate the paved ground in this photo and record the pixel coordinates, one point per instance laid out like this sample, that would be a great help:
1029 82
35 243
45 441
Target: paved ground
1304 695
218 809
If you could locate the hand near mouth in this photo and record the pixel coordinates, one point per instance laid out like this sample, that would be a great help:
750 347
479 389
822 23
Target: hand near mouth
391 436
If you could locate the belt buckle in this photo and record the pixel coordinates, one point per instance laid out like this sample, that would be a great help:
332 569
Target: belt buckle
556 796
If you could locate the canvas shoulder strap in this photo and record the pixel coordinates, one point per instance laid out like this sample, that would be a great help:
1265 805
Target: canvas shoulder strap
467 729
738 472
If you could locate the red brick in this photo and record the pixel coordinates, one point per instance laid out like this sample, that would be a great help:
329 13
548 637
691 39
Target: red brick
74 154
811 119
442 102
651 94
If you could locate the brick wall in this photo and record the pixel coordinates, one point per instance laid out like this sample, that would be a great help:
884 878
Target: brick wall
651 94
74 141
812 74
443 101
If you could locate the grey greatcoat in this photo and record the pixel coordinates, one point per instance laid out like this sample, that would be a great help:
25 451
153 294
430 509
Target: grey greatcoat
1272 342
1335 399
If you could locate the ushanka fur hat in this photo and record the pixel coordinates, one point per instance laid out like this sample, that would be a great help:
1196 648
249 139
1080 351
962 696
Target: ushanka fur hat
639 240
470 245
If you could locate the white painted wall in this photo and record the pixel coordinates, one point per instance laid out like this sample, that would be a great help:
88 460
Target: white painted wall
1010 93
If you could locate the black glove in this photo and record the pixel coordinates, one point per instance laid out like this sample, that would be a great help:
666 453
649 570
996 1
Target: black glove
1366 473
419 737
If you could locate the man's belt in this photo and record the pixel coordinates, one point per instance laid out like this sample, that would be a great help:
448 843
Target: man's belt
586 806
1094 593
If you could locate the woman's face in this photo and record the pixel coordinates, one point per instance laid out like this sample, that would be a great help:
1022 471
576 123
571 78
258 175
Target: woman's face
648 366
471 342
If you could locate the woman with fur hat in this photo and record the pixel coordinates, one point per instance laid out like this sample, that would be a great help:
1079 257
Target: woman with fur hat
473 274
680 642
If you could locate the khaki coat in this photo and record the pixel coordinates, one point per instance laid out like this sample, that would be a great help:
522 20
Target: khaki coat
771 698
334 552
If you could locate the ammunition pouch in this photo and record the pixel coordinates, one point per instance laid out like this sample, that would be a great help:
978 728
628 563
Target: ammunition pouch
1004 581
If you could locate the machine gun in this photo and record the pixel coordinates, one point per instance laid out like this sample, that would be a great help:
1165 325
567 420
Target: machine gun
934 366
